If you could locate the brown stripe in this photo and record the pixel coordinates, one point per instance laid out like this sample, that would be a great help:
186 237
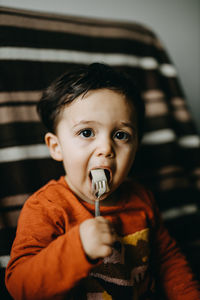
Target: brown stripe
156 109
18 114
171 183
153 95
20 96
13 200
182 114
76 19
196 172
178 102
9 219
169 170
67 26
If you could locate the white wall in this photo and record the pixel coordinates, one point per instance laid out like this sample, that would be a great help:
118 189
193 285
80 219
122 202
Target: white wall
176 22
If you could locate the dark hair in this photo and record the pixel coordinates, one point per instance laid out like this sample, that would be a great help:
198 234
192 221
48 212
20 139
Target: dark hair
79 81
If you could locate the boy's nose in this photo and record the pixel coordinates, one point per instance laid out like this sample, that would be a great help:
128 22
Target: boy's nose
105 148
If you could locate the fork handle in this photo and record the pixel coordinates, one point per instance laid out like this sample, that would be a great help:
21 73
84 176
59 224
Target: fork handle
97 208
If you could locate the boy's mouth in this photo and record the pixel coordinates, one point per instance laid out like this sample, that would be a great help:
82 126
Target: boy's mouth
108 174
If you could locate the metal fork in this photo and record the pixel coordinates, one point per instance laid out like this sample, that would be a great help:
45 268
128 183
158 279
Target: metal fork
99 189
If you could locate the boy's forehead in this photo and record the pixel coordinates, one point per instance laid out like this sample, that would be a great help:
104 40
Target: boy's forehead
103 97
100 105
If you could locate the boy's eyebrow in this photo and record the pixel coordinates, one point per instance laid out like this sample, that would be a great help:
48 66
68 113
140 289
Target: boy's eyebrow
127 124
84 122
89 122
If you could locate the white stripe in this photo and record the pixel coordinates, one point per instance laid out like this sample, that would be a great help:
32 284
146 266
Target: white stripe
4 261
168 70
23 152
72 56
65 56
190 141
180 211
159 137
148 63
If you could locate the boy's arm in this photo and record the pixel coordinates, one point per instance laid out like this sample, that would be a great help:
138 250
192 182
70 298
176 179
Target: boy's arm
46 262
175 275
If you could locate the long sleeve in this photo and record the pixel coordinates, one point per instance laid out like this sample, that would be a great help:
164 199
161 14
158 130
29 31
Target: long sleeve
47 258
175 275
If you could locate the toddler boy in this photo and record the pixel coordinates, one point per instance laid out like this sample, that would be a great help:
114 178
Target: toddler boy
94 119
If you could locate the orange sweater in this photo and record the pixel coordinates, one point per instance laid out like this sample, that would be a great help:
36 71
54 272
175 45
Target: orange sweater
48 261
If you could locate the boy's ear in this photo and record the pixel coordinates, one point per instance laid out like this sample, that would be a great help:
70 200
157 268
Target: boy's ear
53 144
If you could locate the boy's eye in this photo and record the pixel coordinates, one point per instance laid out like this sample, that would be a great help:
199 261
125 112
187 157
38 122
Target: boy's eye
86 133
121 135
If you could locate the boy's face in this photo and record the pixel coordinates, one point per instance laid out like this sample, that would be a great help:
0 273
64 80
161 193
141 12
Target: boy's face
97 131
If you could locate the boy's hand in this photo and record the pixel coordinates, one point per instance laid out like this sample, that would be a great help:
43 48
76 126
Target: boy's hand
97 237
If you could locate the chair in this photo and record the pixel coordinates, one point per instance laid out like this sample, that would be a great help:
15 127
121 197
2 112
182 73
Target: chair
35 49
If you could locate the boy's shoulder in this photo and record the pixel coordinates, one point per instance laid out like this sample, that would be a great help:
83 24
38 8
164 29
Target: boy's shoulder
51 184
52 193
133 188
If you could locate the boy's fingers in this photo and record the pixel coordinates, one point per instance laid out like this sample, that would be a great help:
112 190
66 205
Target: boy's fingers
105 251
103 220
107 239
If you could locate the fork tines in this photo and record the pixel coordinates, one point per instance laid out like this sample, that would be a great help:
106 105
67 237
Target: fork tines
100 188
99 182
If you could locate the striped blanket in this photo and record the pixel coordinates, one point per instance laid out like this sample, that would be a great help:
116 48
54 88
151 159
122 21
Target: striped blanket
36 48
